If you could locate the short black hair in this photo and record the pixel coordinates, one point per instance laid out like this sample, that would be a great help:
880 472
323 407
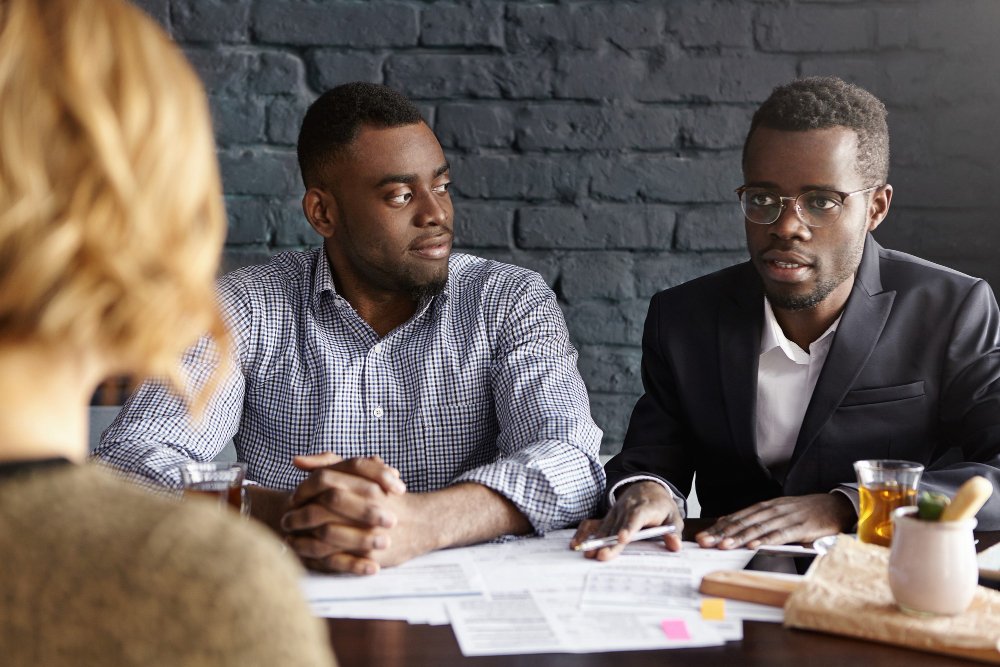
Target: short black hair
334 119
820 102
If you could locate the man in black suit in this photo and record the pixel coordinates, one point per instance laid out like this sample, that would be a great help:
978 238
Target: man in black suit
770 378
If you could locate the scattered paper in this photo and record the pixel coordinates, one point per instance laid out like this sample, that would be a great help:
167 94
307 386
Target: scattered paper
507 624
632 586
750 611
438 574
536 595
513 624
989 562
425 610
731 630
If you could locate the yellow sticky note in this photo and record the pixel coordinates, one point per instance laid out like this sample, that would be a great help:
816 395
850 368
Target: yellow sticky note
713 609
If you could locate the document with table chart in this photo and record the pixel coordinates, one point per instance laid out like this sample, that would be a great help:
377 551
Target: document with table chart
414 591
645 598
643 586
515 623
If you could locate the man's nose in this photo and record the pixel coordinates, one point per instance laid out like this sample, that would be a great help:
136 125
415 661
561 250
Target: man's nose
433 210
790 224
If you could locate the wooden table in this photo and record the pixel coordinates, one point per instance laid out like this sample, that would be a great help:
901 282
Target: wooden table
367 643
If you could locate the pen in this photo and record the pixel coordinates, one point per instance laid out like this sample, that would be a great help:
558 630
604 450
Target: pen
785 550
611 540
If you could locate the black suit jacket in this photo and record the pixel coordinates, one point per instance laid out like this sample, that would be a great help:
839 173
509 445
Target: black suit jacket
913 373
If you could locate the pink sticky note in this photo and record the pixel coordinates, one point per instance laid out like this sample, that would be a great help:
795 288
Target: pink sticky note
675 628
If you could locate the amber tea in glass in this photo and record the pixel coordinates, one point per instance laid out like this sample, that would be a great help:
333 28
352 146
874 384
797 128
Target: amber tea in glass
220 491
218 480
883 486
877 506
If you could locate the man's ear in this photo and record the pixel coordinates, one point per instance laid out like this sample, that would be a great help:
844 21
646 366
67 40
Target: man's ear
320 209
879 206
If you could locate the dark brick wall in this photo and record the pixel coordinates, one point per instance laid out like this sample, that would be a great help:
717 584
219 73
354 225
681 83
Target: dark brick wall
598 142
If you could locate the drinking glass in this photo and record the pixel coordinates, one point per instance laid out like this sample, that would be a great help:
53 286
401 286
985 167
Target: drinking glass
222 482
884 485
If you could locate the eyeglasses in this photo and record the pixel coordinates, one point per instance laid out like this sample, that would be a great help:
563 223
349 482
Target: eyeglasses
816 208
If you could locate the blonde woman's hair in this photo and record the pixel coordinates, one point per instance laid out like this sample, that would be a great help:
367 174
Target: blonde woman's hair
111 218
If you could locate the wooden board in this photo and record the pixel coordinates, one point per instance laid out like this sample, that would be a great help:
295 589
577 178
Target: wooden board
771 589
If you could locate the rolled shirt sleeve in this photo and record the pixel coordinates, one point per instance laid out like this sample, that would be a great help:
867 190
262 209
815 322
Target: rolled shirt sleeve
549 466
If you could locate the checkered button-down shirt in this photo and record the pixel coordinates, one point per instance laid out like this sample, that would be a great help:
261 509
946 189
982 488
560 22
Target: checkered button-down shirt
480 385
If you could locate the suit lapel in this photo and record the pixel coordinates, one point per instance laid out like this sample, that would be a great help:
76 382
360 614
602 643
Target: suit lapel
741 315
864 317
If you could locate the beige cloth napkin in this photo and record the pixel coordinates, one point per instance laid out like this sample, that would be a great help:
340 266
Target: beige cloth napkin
847 593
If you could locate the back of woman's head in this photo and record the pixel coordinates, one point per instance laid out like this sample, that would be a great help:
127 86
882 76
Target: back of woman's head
111 219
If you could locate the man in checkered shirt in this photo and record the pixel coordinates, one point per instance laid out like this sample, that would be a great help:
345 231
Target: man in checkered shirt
388 397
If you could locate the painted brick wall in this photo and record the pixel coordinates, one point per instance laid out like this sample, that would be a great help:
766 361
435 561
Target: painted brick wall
598 142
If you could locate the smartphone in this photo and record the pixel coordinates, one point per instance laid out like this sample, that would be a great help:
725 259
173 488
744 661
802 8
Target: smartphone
784 562
990 580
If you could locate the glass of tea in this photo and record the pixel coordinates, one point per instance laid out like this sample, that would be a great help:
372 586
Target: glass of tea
884 485
216 480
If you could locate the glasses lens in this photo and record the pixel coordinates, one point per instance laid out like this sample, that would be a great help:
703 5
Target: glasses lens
820 208
817 208
760 206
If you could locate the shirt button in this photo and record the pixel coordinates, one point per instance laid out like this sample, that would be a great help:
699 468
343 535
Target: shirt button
377 412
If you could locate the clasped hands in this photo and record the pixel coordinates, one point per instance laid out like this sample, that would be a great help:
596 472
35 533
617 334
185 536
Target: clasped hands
351 515
781 520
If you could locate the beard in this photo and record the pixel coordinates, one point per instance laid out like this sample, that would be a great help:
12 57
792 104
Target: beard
803 301
419 283
428 290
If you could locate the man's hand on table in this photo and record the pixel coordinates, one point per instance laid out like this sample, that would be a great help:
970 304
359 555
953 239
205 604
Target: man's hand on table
351 515
355 516
781 521
641 505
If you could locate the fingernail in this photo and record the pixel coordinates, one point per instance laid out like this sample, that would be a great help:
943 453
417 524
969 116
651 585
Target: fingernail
369 568
726 543
380 542
709 539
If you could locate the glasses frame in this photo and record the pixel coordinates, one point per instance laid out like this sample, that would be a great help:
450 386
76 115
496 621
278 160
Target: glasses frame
798 211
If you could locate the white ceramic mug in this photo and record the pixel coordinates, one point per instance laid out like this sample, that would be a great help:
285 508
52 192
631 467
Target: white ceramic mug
932 564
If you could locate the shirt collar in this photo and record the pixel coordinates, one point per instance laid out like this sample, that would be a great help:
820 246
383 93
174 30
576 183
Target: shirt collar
322 278
323 282
774 337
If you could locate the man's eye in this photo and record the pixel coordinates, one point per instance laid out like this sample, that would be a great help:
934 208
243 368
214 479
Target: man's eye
401 198
763 199
819 202
443 188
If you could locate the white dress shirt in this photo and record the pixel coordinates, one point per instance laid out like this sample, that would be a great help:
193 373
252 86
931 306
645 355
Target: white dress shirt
786 378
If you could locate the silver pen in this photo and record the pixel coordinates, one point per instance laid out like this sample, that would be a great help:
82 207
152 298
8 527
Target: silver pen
612 540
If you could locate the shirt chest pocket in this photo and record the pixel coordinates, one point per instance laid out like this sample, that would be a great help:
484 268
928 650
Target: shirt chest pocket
446 440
